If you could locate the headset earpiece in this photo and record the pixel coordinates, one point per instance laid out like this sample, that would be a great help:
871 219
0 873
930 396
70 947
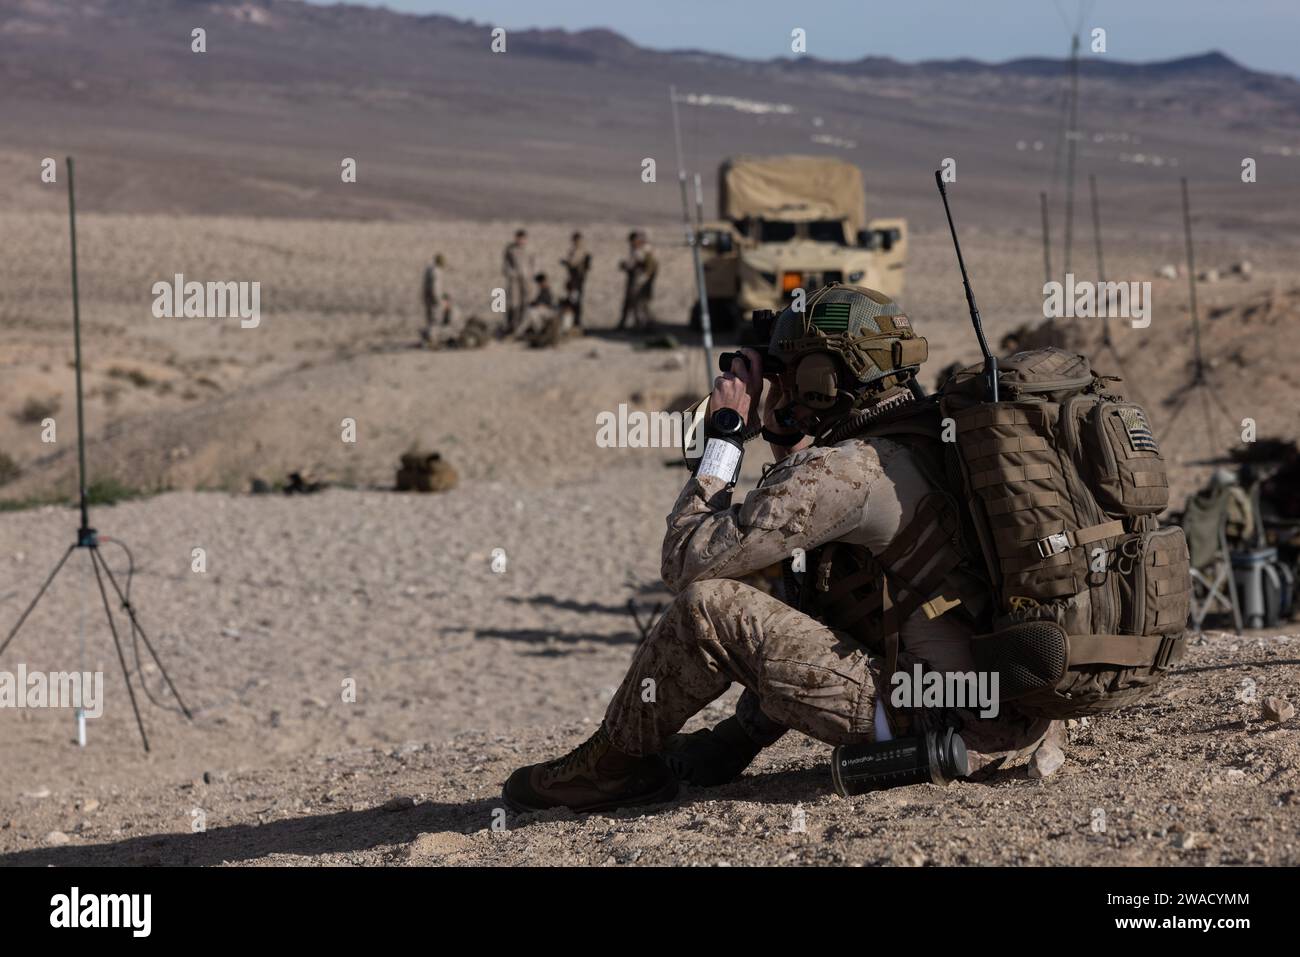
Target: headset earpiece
815 381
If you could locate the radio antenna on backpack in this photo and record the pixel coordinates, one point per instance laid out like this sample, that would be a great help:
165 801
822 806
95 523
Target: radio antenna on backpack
990 362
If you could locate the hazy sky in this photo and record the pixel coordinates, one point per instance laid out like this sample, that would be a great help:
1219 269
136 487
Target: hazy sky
1264 34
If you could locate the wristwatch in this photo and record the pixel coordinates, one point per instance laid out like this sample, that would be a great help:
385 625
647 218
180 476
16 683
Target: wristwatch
726 424
724 446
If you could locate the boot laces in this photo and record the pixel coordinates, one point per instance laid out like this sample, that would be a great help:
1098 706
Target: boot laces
578 756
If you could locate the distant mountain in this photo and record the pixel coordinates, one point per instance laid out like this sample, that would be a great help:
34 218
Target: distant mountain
560 122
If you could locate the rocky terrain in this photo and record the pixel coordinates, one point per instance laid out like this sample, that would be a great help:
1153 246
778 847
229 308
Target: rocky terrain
228 168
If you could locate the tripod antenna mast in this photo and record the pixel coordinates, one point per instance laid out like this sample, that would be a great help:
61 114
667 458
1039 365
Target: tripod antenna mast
85 530
1047 238
693 240
1191 284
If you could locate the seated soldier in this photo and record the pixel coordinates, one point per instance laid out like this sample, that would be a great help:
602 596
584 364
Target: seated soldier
800 670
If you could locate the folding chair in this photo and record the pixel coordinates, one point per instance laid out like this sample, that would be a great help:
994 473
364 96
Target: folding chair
1214 586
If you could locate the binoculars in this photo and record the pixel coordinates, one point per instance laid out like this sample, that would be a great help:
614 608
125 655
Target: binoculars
762 323
771 364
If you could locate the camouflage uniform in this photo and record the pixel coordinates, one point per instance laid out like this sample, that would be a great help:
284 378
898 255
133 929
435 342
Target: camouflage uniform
432 290
517 267
577 264
641 267
801 673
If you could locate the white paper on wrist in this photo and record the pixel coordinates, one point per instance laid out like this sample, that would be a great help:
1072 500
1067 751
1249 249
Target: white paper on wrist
721 460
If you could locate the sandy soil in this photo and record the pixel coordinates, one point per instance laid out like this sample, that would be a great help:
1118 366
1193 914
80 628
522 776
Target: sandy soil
226 167
462 673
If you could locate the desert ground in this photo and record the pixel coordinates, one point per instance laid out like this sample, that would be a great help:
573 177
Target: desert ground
227 166
462 673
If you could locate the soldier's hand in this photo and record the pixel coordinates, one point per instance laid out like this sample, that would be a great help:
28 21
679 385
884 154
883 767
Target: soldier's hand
740 388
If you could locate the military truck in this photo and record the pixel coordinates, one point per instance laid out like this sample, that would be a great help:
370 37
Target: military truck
792 222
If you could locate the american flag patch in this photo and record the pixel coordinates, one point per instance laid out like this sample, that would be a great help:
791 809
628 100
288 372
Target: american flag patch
1139 431
831 316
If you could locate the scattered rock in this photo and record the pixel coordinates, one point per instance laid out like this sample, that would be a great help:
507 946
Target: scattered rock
398 804
438 844
89 806
56 839
1243 268
1047 760
911 857
213 777
38 793
1167 271
1208 275
1276 709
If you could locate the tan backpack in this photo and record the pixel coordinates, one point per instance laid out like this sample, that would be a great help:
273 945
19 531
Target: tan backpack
1064 479
1049 497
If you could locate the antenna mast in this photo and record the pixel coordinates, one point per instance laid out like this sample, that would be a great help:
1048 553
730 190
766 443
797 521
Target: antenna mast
692 239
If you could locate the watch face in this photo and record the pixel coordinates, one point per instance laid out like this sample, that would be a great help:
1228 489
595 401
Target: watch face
727 421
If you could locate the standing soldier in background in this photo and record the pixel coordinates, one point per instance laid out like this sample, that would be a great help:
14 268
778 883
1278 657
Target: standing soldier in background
577 263
516 266
433 289
640 267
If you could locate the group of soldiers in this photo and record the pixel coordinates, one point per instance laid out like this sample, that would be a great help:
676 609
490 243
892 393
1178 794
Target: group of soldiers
531 304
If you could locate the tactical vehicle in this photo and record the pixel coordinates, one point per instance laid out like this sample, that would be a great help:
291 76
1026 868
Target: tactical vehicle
793 222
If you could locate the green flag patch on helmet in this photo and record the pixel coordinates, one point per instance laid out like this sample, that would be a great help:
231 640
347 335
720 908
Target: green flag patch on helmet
831 317
866 329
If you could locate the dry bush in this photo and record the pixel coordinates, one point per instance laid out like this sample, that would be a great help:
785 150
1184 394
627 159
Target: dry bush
34 410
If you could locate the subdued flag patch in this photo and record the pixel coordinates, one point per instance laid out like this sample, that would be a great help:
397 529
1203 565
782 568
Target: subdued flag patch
1140 438
831 316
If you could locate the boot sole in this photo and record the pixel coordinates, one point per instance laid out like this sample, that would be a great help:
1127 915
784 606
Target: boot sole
663 795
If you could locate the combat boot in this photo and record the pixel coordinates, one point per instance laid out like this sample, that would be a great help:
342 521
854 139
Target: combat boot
712 756
594 776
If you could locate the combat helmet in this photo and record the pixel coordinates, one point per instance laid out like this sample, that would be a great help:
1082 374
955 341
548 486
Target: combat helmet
848 348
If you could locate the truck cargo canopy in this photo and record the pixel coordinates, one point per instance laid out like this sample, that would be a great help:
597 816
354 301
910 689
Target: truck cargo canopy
791 188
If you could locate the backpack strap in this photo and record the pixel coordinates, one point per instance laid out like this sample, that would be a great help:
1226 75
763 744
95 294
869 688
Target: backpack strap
878 593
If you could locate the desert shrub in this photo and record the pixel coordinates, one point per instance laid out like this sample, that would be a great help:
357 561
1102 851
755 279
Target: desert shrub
36 410
137 378
110 491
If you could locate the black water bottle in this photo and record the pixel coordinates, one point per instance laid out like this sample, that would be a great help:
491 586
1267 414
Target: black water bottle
937 757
